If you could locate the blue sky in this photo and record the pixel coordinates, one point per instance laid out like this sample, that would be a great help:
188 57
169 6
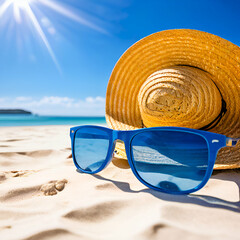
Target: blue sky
56 56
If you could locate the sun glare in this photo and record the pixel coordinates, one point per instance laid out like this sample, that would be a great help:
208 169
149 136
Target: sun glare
21 3
24 7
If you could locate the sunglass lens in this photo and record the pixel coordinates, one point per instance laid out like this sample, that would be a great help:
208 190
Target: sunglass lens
174 161
90 148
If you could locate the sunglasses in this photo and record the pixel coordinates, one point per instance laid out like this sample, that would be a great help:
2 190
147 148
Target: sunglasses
168 159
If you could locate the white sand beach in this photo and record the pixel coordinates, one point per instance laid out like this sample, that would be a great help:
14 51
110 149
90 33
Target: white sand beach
43 197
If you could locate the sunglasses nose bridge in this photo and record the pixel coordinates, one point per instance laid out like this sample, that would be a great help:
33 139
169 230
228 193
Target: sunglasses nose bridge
119 135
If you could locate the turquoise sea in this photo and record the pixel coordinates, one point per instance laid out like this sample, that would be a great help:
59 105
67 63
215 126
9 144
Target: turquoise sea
36 120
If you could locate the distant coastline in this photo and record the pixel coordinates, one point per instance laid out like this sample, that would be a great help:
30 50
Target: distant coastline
15 111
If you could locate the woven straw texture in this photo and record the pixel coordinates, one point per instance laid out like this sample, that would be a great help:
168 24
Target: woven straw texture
178 78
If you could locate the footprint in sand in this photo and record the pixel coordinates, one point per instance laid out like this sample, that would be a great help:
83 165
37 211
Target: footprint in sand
52 187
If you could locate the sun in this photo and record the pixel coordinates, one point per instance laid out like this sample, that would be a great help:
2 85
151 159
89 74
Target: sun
22 12
24 6
18 6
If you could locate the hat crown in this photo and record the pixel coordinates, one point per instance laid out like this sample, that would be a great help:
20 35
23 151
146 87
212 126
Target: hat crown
181 96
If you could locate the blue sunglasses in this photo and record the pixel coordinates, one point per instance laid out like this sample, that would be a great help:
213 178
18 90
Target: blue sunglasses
168 159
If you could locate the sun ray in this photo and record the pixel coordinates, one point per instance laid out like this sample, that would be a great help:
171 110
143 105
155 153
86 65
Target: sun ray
16 13
65 12
41 34
5 6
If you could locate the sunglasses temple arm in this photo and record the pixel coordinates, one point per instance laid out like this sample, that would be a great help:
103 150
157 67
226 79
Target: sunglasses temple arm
231 142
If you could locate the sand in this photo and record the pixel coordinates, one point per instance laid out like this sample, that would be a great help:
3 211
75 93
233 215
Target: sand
42 196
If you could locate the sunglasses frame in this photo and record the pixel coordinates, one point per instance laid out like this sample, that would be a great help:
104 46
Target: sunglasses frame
214 141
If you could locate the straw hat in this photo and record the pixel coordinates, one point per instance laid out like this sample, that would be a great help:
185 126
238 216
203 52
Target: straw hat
184 78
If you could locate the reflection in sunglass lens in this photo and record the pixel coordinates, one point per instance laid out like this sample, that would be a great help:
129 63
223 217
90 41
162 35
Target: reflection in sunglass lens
90 148
170 160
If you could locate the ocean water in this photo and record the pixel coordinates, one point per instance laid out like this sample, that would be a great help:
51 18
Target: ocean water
35 120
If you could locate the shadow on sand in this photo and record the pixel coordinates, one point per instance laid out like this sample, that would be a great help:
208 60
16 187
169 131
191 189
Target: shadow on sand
203 200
